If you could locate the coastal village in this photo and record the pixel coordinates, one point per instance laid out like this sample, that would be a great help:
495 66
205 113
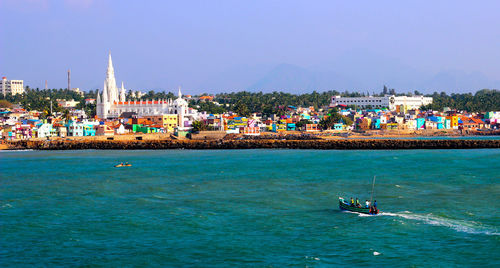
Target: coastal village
119 118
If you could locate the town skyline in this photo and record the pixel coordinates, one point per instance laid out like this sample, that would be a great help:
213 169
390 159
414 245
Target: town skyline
259 46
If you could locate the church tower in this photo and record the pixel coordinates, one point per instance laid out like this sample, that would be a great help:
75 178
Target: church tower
109 92
111 82
122 94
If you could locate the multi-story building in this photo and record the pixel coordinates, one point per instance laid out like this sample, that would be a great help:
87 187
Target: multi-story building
168 121
387 101
11 86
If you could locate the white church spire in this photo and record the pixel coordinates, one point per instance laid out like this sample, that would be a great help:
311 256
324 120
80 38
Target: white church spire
179 93
122 94
110 82
111 70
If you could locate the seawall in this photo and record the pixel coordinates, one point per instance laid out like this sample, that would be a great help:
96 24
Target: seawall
341 144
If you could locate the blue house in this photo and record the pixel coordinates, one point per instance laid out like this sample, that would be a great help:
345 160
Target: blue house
88 130
338 126
75 129
420 123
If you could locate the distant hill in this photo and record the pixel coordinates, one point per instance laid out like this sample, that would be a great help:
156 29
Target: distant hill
358 69
295 79
456 81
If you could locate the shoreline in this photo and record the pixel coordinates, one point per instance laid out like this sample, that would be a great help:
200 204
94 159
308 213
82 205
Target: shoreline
331 144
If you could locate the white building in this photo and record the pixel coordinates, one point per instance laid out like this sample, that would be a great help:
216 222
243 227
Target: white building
11 86
78 91
67 103
111 103
378 102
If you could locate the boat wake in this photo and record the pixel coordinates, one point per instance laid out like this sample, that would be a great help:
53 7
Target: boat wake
457 225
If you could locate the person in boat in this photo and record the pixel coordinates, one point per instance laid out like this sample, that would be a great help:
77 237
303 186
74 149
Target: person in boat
357 203
375 204
352 202
367 204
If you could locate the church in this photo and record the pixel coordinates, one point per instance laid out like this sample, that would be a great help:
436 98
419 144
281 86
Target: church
111 103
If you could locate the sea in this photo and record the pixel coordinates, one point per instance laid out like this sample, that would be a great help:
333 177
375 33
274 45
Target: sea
249 208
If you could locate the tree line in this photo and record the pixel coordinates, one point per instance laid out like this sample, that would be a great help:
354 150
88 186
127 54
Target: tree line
244 103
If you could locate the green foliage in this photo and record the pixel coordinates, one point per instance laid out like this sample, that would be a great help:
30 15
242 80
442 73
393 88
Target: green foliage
333 118
484 100
5 104
241 109
199 126
36 99
302 123
209 107
271 103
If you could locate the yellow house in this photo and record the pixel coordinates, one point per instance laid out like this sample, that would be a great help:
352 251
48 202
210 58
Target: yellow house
453 121
168 121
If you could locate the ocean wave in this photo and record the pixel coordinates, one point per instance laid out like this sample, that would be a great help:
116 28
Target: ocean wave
457 225
23 150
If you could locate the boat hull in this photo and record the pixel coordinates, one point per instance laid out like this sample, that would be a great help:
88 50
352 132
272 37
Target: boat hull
344 206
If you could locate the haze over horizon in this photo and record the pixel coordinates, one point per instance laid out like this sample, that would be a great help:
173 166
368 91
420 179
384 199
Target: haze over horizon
291 46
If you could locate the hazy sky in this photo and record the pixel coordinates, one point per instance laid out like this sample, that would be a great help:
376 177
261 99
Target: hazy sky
163 44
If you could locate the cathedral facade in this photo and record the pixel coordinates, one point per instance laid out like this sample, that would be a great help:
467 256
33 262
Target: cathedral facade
111 103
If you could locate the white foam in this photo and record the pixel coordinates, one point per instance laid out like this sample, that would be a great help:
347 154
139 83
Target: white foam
457 225
359 214
312 258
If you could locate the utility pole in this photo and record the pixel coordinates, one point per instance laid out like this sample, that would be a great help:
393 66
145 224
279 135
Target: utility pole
69 79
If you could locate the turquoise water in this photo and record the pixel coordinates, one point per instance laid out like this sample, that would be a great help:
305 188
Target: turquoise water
433 138
249 208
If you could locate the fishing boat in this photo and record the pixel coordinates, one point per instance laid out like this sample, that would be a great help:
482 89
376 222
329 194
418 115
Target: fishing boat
123 165
344 205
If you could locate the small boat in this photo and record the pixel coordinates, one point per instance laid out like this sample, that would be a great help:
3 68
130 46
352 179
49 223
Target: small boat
344 205
123 165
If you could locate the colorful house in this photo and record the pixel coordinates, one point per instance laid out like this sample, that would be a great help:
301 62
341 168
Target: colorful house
45 130
312 127
75 129
89 130
338 126
104 130
420 123
253 131
279 127
453 121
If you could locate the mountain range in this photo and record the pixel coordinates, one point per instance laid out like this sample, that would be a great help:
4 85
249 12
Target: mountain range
351 71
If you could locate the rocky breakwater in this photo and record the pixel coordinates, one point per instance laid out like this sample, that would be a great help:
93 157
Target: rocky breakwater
341 144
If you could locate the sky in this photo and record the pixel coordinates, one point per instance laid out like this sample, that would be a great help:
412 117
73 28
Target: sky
215 46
